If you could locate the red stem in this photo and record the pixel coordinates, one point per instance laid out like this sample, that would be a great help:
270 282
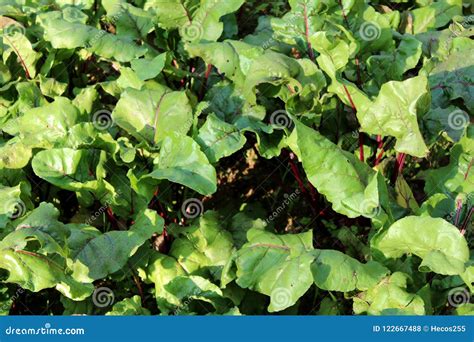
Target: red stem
312 191
296 173
458 211
379 147
111 217
361 136
361 146
379 157
162 211
399 164
22 62
204 82
306 28
350 98
379 141
468 219
468 169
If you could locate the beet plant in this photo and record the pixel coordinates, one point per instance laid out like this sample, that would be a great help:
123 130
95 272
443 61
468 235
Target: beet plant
234 157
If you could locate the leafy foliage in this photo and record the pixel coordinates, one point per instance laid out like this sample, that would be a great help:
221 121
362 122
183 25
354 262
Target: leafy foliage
236 157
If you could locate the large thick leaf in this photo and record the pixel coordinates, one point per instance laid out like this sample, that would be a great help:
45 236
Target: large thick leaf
43 126
130 21
336 174
271 67
20 46
219 139
182 161
11 198
440 244
437 14
40 265
147 69
14 154
395 113
392 65
64 34
161 270
197 20
276 265
451 75
69 169
294 27
152 113
201 250
205 246
97 255
230 57
458 175
129 307
336 271
188 288
389 297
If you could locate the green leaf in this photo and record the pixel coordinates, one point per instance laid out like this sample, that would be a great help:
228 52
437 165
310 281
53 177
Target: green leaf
203 246
389 297
42 265
181 161
151 114
450 121
69 169
21 47
274 68
405 197
63 34
276 265
129 307
219 139
97 255
14 154
11 200
147 69
336 174
336 271
458 175
161 270
452 77
196 20
130 21
44 126
395 113
392 65
187 288
440 244
437 14
202 250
